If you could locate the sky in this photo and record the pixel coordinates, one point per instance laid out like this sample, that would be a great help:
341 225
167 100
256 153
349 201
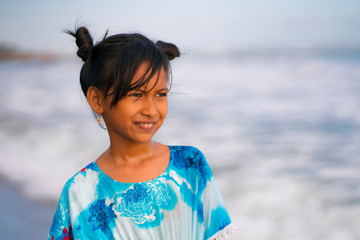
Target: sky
37 25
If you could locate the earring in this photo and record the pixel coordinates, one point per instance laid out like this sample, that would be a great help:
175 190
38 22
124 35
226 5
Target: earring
98 119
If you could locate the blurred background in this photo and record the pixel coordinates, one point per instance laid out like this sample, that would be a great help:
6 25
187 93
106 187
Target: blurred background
268 90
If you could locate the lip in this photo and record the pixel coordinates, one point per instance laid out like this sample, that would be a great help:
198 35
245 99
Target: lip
146 125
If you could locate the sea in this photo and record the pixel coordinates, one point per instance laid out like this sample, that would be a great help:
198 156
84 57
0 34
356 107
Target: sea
279 128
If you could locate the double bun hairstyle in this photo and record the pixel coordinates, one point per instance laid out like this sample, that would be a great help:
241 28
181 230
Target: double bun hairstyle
112 63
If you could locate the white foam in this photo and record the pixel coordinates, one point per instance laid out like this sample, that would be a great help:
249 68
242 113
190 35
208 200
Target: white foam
281 136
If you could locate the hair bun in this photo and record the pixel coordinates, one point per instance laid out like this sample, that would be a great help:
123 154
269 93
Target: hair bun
84 42
170 50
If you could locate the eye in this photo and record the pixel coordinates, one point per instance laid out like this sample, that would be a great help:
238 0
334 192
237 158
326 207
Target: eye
163 94
137 95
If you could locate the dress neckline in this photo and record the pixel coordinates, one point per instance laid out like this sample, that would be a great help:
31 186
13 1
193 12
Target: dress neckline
97 168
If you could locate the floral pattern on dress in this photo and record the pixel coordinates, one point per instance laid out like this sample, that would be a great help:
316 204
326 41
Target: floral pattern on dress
56 227
66 235
101 215
182 203
188 157
141 202
61 230
83 172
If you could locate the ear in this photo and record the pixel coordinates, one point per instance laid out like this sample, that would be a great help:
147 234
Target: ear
95 99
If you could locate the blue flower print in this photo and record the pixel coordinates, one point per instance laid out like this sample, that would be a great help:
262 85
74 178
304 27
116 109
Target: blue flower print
139 193
60 221
101 215
56 226
189 157
141 202
184 159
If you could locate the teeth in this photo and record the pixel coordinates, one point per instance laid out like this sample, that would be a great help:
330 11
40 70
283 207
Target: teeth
146 124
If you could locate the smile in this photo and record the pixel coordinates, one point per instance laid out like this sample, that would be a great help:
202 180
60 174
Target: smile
146 125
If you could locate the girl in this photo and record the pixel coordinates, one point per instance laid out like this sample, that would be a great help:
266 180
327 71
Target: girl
138 188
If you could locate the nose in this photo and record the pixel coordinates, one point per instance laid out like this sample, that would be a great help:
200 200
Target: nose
149 108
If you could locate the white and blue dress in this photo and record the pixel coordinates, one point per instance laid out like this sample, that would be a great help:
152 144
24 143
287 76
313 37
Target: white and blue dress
183 203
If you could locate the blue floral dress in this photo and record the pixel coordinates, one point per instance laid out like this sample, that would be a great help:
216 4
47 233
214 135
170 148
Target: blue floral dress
182 203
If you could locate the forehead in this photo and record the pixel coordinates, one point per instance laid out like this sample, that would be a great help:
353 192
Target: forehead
151 79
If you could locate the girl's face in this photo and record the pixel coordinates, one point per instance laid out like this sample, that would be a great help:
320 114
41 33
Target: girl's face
138 116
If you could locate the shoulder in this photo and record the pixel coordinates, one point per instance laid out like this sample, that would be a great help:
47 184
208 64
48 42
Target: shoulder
186 151
81 189
185 157
190 164
86 175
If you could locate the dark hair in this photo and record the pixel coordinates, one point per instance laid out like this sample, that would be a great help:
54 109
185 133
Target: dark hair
114 61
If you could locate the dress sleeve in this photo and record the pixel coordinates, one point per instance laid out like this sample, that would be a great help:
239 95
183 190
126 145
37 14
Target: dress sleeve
61 226
216 218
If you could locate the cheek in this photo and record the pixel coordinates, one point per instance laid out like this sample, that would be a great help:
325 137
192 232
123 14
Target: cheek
165 109
119 115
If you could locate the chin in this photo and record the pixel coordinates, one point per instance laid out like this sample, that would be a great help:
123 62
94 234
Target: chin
143 140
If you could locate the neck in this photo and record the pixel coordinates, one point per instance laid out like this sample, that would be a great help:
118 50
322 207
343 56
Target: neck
129 153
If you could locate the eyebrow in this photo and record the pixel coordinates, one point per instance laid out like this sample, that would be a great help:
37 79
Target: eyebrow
143 91
163 89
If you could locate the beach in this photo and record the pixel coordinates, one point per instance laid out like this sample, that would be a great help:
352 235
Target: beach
280 131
